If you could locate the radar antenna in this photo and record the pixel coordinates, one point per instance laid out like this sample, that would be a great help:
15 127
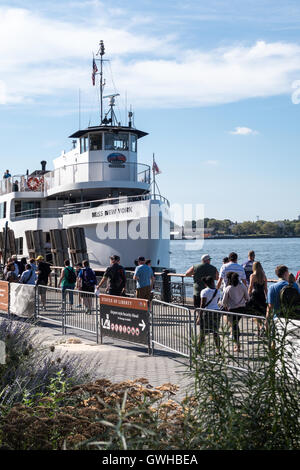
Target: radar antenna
113 119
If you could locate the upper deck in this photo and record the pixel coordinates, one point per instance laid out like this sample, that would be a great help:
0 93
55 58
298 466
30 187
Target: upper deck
79 176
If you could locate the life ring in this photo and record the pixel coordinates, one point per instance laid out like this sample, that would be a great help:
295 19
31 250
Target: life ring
33 183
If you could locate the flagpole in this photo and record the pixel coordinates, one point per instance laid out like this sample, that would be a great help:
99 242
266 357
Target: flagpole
102 52
79 108
153 171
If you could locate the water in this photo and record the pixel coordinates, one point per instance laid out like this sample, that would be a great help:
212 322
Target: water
269 251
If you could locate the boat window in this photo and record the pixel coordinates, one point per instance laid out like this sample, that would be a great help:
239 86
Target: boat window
84 144
116 141
2 210
19 245
30 205
96 142
28 208
133 141
17 207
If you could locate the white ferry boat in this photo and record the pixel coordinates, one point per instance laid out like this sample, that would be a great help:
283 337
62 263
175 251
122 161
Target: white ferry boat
98 186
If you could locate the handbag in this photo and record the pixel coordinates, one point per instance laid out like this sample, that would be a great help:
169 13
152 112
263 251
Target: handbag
205 306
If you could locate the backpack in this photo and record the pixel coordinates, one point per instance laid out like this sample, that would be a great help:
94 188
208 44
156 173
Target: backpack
88 277
116 276
70 275
290 300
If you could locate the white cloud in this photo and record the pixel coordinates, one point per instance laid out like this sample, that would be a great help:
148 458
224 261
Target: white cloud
45 56
211 162
243 131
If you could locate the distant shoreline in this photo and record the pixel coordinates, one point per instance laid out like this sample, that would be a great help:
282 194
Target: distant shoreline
252 237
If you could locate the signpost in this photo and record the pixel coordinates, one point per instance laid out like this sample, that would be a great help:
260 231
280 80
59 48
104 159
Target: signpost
125 318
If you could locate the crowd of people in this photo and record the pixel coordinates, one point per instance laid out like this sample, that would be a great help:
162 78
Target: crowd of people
238 289
82 278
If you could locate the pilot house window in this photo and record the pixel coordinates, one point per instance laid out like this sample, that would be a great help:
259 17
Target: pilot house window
116 141
133 141
84 144
96 142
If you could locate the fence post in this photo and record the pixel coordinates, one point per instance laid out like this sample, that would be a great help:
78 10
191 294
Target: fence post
36 302
166 286
63 314
190 338
149 340
152 329
99 310
97 320
183 291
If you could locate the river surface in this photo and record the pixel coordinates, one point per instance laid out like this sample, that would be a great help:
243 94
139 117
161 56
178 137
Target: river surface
269 251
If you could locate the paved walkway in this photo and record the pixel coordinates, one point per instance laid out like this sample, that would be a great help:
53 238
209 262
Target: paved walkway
116 360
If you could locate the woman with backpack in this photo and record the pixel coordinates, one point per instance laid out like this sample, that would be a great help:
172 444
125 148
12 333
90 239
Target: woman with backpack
88 283
67 281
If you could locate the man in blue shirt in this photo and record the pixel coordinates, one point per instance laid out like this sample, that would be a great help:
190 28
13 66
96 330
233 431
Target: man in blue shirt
6 174
273 298
248 265
144 278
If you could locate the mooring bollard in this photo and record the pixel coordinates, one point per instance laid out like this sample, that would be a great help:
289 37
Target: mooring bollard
166 286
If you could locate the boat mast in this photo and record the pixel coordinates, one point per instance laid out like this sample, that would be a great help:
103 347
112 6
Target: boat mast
101 52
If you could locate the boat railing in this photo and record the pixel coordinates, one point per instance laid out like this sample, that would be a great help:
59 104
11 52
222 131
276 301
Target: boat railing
79 206
98 171
35 214
21 183
77 173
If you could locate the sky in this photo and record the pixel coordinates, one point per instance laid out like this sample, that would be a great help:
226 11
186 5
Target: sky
215 84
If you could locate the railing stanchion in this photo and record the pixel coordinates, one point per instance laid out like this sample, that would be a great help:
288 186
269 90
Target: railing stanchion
97 320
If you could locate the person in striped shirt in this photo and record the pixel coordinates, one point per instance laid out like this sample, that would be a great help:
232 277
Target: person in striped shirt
231 266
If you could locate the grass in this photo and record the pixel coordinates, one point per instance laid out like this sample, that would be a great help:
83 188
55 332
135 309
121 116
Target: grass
226 409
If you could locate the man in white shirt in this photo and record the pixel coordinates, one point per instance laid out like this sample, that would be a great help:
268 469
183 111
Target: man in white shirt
234 267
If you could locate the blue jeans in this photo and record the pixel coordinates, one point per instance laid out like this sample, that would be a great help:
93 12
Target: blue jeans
64 288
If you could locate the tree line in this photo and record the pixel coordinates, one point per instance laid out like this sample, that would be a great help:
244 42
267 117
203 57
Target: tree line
280 228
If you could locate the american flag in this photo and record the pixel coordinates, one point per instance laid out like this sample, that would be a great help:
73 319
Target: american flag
95 70
155 168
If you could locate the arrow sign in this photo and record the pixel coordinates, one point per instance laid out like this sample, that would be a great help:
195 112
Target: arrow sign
142 325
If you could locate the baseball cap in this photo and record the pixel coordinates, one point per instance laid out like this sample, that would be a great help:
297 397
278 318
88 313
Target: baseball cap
40 257
205 257
115 258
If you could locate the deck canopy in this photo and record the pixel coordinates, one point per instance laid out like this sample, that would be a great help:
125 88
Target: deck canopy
114 129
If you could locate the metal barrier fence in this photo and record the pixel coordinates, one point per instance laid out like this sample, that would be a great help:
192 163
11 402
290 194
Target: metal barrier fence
49 304
171 327
81 311
238 338
68 308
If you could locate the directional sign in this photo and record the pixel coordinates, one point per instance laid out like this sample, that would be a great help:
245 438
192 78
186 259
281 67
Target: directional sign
125 318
